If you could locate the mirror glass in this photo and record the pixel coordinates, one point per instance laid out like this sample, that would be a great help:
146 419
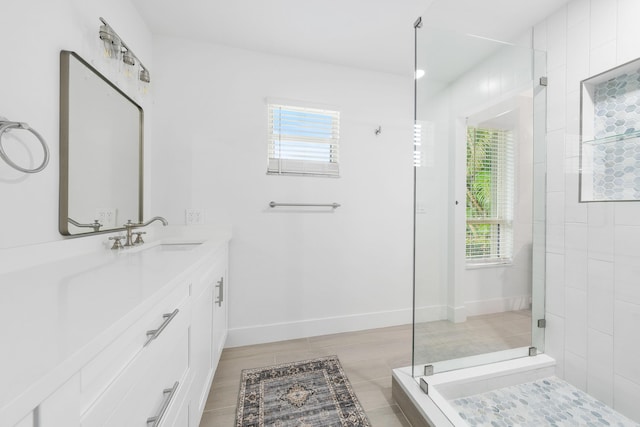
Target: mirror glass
100 151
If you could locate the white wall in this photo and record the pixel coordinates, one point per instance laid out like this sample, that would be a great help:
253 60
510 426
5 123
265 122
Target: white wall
593 256
33 33
292 273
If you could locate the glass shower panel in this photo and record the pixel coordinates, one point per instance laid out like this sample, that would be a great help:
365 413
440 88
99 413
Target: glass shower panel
479 200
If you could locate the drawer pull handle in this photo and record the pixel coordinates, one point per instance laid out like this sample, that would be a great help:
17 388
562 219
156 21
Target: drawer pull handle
168 392
155 333
220 287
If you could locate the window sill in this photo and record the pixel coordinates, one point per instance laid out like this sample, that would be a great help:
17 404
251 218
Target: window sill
488 264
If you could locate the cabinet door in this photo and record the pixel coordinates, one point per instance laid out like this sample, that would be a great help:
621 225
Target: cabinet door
62 408
26 421
201 349
219 313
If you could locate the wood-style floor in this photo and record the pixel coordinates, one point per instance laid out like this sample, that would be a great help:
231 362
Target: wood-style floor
367 358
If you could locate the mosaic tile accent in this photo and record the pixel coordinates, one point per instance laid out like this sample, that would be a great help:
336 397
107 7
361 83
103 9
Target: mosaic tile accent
617 105
616 170
616 163
547 402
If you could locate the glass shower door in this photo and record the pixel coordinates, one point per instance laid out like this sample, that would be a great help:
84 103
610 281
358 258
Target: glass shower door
479 201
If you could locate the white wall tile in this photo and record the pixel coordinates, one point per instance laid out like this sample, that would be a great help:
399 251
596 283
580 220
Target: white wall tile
572 121
601 231
575 370
557 39
556 97
628 30
576 321
604 16
554 341
600 366
555 208
601 294
602 58
627 213
626 345
577 12
555 160
555 238
575 267
627 278
574 211
626 240
578 54
600 256
625 397
576 237
555 294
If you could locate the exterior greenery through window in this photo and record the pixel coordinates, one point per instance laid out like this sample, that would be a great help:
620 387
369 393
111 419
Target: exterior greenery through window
303 141
489 205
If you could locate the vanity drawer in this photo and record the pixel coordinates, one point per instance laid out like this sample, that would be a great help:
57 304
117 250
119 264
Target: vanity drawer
137 392
105 379
158 390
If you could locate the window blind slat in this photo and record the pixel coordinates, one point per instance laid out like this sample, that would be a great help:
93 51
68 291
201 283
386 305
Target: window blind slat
489 209
302 141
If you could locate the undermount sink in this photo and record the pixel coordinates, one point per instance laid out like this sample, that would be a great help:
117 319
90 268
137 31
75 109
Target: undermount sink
179 247
166 246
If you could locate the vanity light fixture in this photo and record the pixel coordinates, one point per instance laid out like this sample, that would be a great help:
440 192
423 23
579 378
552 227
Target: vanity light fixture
144 75
112 43
116 47
128 58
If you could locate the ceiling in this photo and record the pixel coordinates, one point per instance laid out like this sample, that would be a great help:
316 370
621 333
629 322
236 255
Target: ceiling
370 34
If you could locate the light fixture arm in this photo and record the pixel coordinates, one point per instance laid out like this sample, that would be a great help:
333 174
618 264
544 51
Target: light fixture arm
144 71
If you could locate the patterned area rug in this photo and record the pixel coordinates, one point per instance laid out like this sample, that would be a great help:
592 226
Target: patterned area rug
310 393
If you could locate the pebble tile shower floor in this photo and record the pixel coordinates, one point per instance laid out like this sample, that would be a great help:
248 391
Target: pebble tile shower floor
547 402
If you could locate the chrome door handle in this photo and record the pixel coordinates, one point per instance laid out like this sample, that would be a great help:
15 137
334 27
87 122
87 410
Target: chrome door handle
220 287
168 392
155 333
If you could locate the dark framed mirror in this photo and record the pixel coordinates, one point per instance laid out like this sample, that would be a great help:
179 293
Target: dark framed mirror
101 151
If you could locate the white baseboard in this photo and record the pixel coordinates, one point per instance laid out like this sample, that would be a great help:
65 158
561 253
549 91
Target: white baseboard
498 305
431 313
260 334
457 314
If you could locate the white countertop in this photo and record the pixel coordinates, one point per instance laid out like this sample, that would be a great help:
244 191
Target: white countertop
56 316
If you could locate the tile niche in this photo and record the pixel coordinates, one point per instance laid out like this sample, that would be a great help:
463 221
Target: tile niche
610 135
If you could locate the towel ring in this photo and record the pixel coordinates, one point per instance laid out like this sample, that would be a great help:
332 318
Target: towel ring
5 125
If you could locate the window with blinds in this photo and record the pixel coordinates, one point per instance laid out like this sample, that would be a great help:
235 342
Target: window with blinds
303 141
489 207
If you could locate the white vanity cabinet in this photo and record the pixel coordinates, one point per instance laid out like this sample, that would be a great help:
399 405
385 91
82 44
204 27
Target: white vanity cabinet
154 365
141 374
208 331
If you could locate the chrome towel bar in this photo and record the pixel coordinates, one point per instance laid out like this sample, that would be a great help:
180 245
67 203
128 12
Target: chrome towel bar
333 205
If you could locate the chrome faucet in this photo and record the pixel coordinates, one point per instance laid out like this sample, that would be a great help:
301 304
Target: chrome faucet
129 226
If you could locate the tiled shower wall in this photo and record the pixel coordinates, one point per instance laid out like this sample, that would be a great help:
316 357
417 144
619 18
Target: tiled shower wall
593 249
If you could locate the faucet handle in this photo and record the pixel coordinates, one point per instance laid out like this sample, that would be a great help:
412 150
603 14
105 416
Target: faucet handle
139 240
117 244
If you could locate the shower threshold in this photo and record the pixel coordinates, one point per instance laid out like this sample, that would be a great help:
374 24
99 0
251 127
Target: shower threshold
437 409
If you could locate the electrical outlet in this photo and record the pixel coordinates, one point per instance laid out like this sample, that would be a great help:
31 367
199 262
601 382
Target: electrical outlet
194 217
107 217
